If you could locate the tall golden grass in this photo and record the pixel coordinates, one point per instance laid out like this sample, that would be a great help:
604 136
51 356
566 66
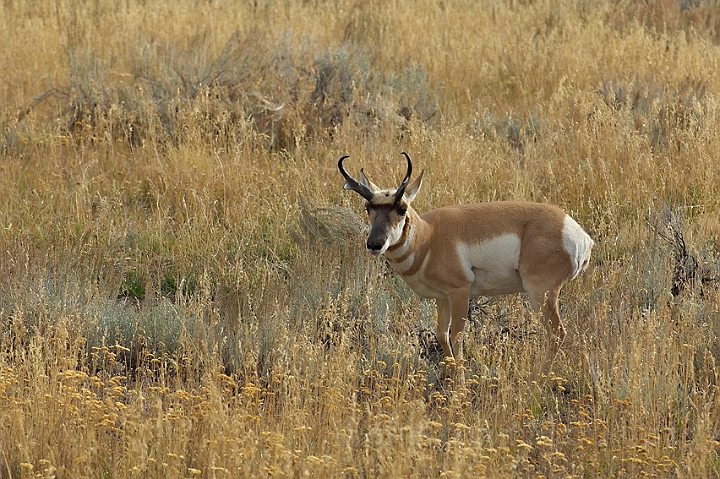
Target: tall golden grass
184 289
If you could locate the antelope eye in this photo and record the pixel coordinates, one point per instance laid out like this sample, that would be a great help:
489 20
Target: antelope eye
401 211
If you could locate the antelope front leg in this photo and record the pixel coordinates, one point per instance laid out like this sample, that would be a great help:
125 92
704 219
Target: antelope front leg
450 325
442 330
459 309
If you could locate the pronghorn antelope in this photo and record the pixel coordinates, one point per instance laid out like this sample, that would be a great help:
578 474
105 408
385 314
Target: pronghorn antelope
457 252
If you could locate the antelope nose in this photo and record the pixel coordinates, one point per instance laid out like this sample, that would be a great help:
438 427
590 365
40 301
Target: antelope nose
374 247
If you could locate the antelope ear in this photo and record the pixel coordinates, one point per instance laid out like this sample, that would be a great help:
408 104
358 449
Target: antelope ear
366 182
413 188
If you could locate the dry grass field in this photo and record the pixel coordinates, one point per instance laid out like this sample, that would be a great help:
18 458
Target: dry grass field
184 290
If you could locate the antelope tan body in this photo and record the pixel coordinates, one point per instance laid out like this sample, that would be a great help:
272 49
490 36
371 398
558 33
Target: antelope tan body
454 253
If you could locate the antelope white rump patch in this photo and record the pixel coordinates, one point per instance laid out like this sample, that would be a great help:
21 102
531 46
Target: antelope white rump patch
578 245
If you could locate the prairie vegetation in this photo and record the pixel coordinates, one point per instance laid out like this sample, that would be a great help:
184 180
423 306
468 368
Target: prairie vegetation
184 288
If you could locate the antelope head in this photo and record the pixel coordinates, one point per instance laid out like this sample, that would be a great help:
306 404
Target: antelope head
387 209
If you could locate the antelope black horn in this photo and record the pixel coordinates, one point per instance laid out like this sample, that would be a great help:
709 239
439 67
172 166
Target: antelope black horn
352 184
401 191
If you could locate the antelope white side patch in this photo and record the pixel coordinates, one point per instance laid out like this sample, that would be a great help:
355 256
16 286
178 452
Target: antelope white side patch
492 266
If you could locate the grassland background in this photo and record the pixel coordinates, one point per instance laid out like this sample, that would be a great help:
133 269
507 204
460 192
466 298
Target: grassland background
184 291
